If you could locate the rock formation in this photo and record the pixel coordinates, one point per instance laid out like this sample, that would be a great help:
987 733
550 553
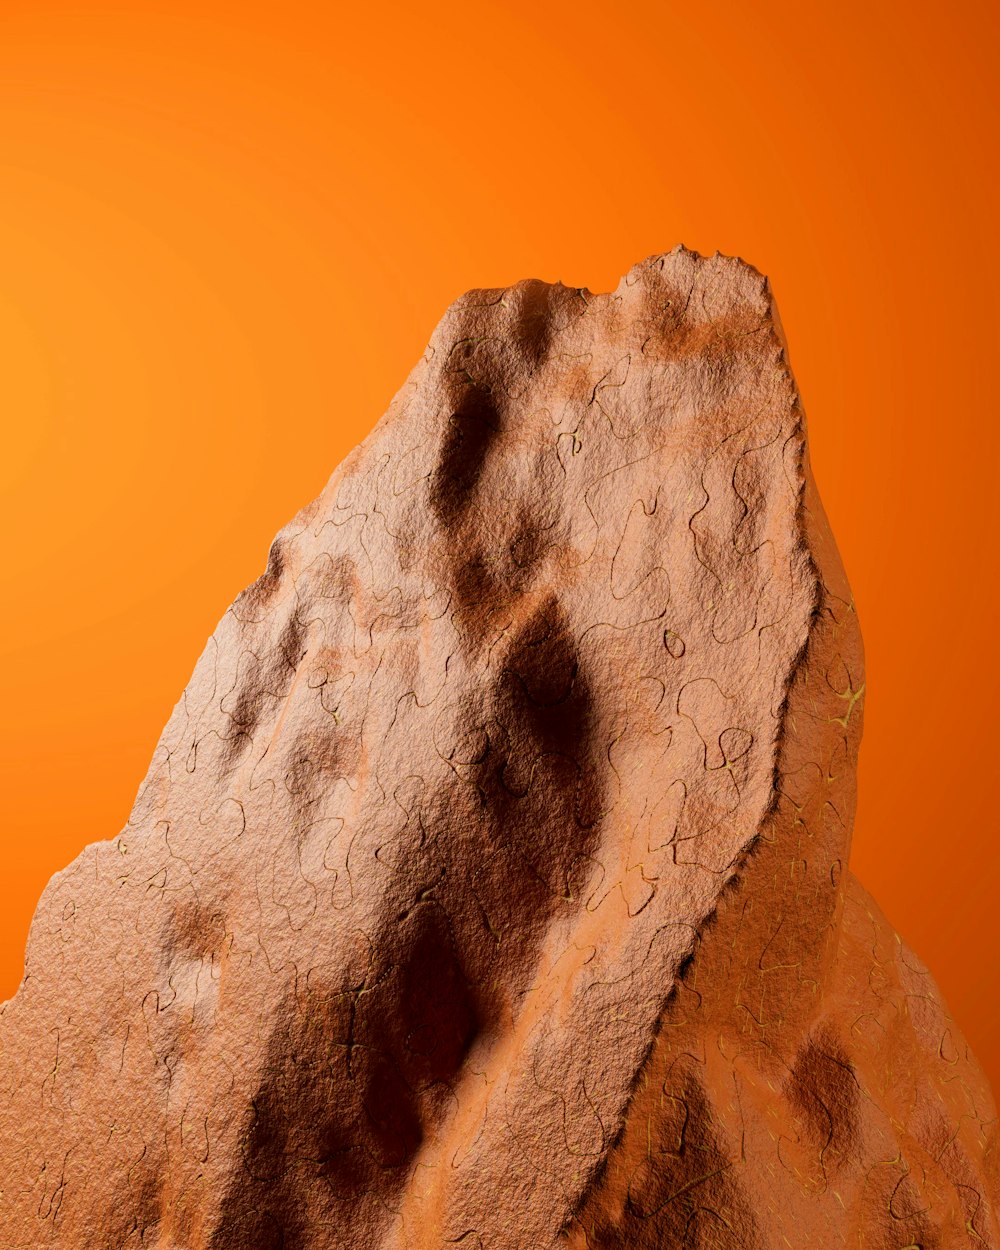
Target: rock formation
488 887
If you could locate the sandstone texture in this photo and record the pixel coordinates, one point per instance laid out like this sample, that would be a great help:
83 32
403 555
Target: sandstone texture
488 887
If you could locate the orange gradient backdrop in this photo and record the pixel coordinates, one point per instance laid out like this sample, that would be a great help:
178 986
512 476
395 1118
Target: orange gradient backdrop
228 230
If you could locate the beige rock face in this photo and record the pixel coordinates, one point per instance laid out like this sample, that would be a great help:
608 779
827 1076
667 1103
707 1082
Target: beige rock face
488 887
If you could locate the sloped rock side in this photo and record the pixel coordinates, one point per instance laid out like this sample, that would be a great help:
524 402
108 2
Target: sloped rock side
489 886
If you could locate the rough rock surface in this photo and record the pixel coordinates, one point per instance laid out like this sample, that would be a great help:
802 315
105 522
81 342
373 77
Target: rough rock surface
488 887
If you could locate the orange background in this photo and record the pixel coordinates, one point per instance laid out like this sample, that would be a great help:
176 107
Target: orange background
227 231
